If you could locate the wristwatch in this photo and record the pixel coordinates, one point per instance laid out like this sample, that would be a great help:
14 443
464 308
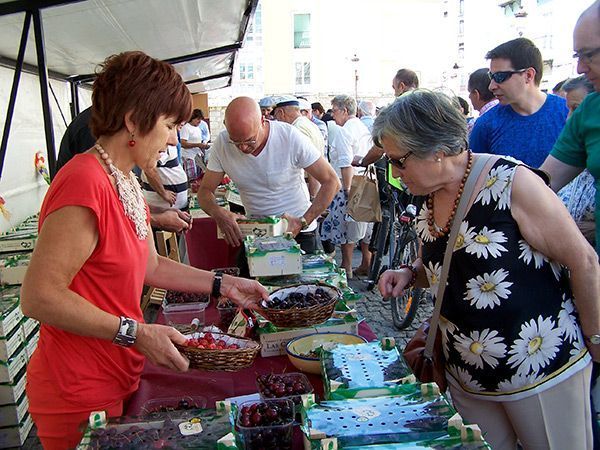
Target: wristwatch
216 287
593 339
304 223
127 332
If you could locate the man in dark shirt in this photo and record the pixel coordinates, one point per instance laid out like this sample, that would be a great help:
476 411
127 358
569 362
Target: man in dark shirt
78 139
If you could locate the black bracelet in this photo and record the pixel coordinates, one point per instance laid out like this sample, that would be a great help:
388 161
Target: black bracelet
414 272
216 287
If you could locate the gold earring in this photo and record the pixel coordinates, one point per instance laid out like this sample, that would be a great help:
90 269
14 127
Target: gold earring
438 159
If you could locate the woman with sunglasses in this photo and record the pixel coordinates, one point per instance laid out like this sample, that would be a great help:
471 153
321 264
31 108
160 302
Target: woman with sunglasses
516 357
95 252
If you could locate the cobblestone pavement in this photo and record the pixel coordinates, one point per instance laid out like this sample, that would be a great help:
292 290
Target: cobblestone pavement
378 314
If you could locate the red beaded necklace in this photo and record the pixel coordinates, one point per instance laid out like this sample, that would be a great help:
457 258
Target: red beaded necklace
433 228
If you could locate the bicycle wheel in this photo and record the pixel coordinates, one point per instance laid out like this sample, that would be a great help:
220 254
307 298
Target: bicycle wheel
404 308
381 238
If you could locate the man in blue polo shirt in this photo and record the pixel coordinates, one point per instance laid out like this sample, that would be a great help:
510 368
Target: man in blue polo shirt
527 122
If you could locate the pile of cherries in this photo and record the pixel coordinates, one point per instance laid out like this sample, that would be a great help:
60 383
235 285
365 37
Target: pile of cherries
264 424
185 297
183 404
208 342
291 385
299 300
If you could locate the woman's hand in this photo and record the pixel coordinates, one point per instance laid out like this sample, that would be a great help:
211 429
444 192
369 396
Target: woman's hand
155 342
393 282
246 293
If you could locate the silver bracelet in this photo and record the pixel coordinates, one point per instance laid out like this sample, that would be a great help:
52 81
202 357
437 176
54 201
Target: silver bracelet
127 332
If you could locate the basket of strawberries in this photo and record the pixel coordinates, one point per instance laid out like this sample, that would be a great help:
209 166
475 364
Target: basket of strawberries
219 351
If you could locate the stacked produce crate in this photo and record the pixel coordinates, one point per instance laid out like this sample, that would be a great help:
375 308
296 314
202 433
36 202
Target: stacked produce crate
18 334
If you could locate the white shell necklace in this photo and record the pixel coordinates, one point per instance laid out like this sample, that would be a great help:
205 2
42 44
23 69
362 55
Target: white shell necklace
130 195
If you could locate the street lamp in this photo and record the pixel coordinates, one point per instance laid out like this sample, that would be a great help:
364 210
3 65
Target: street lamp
355 59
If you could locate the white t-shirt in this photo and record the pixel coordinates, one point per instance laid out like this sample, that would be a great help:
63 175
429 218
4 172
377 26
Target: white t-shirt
171 174
359 136
271 183
340 150
192 135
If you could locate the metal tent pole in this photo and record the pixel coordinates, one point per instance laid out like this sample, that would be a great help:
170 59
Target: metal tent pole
74 98
43 76
15 87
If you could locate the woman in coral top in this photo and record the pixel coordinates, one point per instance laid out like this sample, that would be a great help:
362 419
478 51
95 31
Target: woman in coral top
95 252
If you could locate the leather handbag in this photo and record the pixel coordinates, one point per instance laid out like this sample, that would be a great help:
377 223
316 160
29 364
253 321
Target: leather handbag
424 353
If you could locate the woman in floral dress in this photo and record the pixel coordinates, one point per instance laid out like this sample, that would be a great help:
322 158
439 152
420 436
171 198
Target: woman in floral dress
521 308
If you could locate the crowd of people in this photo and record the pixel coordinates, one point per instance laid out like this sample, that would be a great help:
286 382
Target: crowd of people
520 321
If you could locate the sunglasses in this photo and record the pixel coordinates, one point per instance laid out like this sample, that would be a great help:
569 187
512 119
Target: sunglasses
585 56
503 75
399 163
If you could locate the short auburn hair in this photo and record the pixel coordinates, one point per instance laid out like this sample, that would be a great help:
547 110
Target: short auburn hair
133 81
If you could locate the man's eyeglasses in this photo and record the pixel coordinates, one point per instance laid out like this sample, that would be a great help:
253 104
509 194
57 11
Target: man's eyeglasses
585 56
399 163
249 143
503 75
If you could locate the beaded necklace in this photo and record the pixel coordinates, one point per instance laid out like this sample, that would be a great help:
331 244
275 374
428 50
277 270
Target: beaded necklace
434 229
130 195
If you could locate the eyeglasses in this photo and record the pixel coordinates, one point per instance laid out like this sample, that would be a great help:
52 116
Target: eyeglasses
248 143
399 163
503 75
585 56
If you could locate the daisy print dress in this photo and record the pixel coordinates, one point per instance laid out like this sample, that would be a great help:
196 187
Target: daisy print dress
508 322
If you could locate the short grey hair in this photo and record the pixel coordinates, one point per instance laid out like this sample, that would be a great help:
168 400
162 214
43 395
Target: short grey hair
423 122
366 107
345 101
578 83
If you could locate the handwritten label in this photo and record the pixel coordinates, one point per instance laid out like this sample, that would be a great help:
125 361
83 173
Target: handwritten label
277 260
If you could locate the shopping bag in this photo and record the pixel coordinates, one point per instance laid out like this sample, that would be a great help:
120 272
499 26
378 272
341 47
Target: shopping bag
363 201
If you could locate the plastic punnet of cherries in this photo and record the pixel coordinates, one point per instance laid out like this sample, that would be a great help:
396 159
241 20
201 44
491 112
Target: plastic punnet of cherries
289 385
266 425
185 297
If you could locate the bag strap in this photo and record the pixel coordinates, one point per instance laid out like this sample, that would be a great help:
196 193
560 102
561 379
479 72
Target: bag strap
461 210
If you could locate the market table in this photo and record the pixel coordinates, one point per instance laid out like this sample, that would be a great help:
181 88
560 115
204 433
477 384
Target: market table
205 251
158 382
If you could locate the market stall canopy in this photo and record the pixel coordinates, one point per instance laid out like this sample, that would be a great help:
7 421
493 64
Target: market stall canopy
199 37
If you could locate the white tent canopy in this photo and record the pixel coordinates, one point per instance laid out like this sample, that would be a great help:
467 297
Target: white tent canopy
200 37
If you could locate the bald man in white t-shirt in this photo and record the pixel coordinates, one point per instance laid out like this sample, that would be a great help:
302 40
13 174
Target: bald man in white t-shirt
265 160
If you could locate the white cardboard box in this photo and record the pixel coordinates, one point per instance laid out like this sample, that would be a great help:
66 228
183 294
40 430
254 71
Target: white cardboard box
10 315
268 257
12 275
11 368
273 344
10 393
28 325
9 344
233 197
17 245
13 415
259 228
15 436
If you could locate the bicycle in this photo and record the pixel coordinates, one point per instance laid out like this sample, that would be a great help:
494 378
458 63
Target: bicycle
395 240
